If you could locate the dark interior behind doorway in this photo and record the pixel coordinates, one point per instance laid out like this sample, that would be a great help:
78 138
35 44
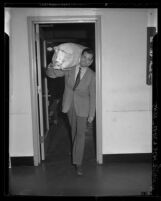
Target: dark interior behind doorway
55 34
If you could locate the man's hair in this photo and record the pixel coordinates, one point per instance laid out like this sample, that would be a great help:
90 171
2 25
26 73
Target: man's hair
89 51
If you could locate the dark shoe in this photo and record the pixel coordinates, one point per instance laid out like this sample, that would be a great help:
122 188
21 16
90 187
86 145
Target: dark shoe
79 170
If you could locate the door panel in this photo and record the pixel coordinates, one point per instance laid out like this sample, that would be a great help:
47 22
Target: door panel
39 92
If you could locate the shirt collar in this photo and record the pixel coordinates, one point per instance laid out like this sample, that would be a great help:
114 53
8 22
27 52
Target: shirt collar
82 69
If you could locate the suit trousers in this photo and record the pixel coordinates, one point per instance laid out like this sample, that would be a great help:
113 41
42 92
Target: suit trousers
78 129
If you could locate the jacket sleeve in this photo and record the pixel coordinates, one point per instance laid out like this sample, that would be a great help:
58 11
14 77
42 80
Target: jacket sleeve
54 73
92 96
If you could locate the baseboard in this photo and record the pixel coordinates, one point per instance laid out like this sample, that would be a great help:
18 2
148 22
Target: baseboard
22 161
141 157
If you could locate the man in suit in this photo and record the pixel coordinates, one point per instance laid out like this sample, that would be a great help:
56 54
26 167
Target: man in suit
79 101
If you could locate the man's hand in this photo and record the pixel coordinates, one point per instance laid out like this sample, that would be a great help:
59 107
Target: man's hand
51 65
90 119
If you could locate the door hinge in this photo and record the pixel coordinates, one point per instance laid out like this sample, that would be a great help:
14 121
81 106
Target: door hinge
38 89
41 139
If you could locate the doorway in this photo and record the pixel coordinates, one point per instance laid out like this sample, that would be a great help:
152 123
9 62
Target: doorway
44 35
52 35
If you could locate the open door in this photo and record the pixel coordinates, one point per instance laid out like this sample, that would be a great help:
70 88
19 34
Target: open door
45 95
45 89
42 90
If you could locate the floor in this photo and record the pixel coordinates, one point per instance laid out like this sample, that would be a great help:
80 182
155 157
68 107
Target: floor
57 177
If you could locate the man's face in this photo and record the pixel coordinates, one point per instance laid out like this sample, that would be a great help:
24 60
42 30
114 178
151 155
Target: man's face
86 59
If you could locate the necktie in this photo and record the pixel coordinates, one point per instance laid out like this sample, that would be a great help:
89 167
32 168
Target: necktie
77 79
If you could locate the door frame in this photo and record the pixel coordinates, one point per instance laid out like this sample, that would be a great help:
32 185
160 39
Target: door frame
33 84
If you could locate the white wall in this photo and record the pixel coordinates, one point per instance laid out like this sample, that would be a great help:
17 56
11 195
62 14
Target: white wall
7 18
126 101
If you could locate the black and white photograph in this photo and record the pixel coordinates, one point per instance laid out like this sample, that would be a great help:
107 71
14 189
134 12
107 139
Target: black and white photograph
81 100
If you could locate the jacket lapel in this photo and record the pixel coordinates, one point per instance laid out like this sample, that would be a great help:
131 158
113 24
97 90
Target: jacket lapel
83 78
85 74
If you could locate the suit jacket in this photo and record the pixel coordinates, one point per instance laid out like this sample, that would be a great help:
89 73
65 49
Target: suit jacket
84 96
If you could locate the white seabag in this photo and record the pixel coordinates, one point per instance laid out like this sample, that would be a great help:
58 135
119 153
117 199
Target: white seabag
66 55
